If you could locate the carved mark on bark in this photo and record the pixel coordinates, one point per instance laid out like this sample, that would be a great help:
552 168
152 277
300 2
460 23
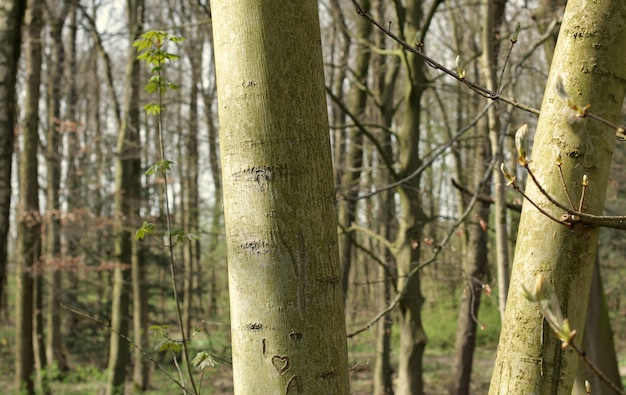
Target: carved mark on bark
256 247
261 176
264 346
295 336
294 385
281 364
254 326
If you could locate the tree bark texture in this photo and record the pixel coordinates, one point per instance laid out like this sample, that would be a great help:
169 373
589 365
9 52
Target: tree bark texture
287 321
11 16
587 59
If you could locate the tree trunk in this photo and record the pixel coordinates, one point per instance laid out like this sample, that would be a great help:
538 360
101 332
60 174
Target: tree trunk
216 215
191 198
598 343
74 193
28 247
141 366
411 219
53 177
288 329
493 17
353 156
11 15
475 265
544 15
127 197
388 71
590 44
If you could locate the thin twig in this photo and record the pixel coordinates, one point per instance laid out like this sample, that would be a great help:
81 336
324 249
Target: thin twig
542 211
573 216
128 339
434 155
436 251
569 197
506 62
487 93
595 369
582 196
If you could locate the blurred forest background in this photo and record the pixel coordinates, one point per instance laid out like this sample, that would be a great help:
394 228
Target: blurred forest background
79 89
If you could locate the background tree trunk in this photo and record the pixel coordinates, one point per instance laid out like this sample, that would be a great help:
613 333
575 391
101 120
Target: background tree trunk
11 15
127 197
598 343
54 154
411 218
494 11
353 156
288 329
475 266
28 247
530 357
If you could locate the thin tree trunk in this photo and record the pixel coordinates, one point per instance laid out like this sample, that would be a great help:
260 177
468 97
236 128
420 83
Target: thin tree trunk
127 196
388 71
28 247
11 15
288 329
476 251
530 357
353 157
75 190
411 218
493 17
141 366
337 76
217 212
39 341
383 384
475 266
53 177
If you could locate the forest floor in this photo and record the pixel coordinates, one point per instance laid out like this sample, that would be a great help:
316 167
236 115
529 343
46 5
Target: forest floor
438 365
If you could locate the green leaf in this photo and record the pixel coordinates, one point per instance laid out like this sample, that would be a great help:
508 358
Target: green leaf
169 345
176 39
152 109
161 166
203 360
147 228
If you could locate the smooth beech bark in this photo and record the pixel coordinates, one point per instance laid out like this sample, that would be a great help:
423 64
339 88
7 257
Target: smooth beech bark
287 322
588 60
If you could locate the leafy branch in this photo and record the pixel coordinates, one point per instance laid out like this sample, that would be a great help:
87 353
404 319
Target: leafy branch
152 48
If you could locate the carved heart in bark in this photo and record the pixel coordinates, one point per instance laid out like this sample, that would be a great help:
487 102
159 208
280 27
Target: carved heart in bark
281 364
